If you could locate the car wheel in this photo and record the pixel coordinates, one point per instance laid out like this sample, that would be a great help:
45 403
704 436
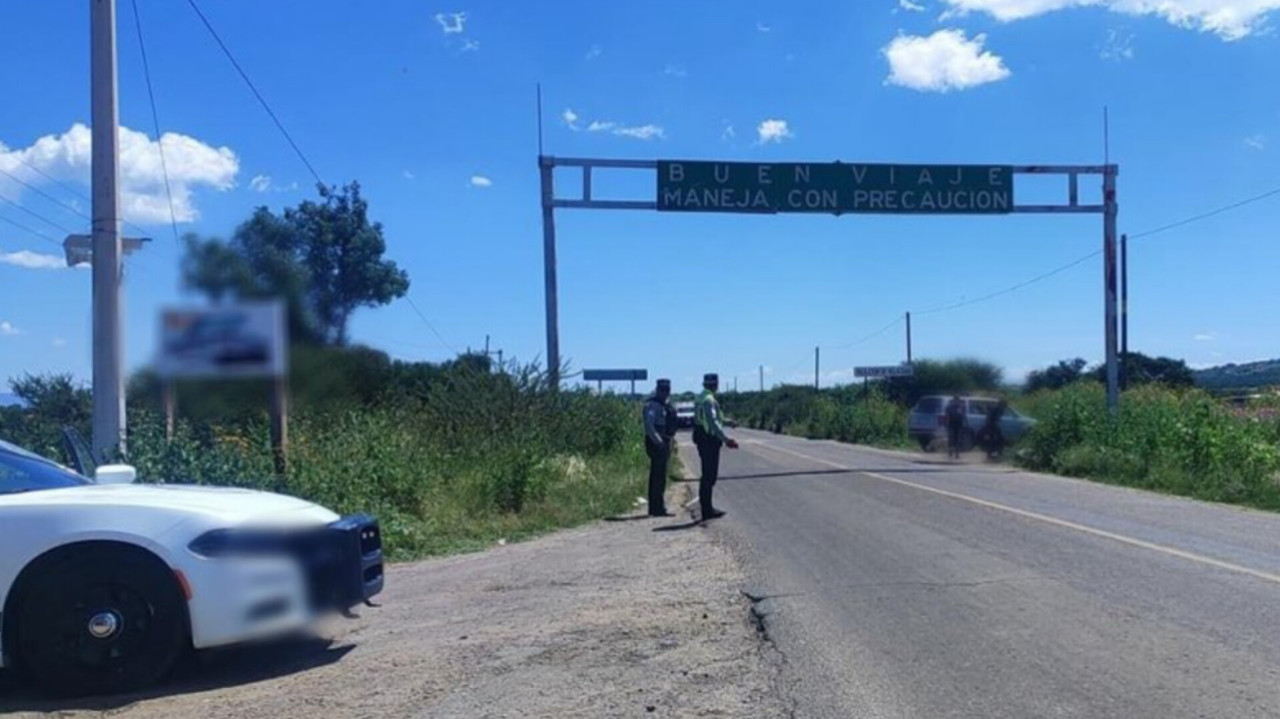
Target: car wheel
99 621
926 443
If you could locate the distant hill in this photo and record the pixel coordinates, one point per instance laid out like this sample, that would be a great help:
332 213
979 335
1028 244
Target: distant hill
8 400
1250 375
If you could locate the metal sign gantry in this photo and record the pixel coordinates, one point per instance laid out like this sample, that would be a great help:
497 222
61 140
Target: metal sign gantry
769 188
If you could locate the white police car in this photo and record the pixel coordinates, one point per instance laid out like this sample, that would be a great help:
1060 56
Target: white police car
105 583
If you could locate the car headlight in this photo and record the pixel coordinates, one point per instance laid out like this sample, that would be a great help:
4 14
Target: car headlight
238 543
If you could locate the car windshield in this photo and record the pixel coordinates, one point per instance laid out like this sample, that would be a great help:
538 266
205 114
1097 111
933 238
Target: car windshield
21 471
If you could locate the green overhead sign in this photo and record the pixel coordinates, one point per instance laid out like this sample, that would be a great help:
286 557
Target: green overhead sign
834 188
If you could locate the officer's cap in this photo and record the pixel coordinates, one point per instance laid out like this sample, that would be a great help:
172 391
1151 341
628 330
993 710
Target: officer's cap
664 384
711 378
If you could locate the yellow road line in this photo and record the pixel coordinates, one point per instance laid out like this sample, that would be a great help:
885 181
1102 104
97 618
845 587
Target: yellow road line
1065 524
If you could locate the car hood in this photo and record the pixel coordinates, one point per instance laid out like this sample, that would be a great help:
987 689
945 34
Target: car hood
227 505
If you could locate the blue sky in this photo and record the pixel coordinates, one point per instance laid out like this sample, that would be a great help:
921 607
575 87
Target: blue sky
430 106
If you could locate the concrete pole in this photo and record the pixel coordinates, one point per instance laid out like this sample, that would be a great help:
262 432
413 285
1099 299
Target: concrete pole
1124 311
108 375
1109 265
816 351
761 378
908 338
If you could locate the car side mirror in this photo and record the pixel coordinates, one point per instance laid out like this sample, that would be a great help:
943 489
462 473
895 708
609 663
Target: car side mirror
115 474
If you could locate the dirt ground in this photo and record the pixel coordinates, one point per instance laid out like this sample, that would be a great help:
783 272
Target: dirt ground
629 618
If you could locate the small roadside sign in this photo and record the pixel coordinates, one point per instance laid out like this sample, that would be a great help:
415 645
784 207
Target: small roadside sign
902 370
615 375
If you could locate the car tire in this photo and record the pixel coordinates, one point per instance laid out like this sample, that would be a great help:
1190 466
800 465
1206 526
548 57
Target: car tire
100 620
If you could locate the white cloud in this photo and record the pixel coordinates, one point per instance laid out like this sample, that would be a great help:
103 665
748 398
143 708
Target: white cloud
1256 142
58 342
481 181
773 131
263 183
470 45
33 260
570 118
595 52
760 26
910 6
675 71
1117 46
1228 19
7 329
728 133
452 23
408 175
1205 337
191 164
641 132
946 60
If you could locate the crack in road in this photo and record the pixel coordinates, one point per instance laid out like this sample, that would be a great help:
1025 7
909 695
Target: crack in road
760 612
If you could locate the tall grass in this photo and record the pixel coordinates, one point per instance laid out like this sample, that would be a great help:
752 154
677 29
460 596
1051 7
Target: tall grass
463 462
1181 442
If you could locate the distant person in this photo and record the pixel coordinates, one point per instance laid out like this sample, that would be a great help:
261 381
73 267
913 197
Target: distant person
993 433
955 426
659 431
709 436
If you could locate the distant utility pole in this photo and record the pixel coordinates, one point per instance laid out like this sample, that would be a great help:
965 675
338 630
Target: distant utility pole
108 376
816 351
761 378
908 338
1124 311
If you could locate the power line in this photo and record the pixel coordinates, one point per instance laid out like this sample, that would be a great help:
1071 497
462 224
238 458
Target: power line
37 215
155 119
42 193
1207 215
871 336
38 233
261 100
51 198
430 326
1007 290
1063 268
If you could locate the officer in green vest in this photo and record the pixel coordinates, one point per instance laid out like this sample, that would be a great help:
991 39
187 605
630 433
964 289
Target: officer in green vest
709 437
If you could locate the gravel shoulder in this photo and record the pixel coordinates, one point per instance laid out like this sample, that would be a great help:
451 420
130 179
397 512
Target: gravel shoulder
610 620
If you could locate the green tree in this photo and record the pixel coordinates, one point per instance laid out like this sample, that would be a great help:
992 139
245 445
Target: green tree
325 259
1139 369
1056 376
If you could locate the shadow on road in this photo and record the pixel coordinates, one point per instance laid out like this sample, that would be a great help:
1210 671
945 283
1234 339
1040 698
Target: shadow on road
207 670
677 527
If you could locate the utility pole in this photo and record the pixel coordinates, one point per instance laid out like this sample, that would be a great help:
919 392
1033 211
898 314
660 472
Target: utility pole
1124 311
908 338
108 376
761 378
501 367
1109 279
816 350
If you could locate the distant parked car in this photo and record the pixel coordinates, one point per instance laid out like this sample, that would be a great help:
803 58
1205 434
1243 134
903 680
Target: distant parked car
221 338
927 422
684 415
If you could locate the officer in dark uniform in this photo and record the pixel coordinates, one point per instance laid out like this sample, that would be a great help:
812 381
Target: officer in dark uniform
659 433
709 437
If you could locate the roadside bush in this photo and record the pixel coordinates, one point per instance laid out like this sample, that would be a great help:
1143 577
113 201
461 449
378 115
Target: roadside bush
1182 442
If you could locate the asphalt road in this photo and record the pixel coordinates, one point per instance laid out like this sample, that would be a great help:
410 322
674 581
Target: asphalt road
906 586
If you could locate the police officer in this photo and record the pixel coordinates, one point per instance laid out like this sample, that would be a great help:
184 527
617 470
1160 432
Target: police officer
709 436
659 431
